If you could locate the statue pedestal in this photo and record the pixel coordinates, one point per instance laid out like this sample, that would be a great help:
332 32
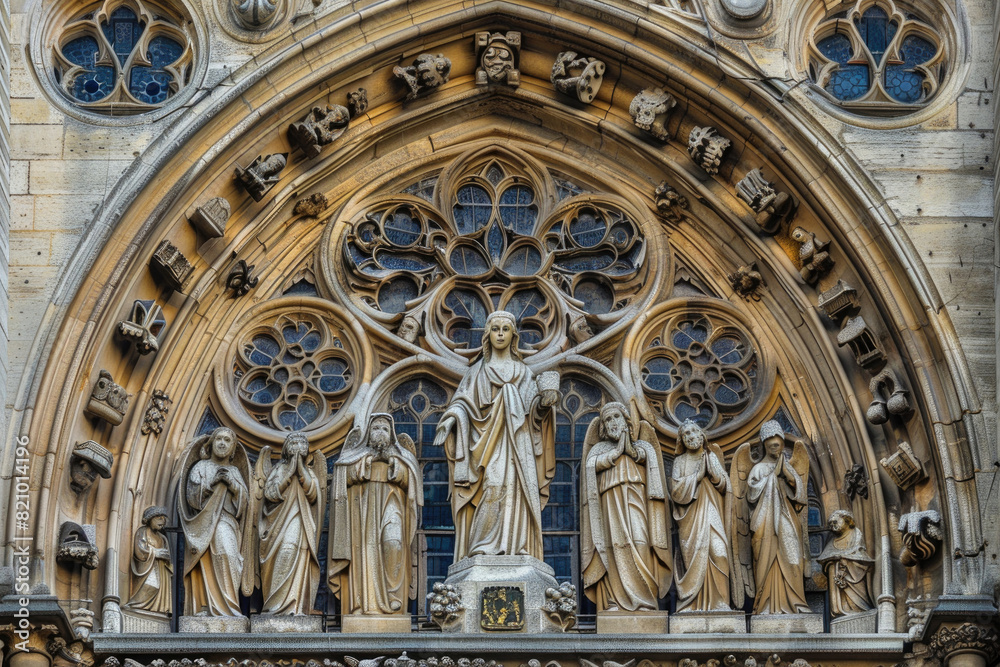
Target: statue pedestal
135 621
213 624
509 589
862 623
375 623
728 622
273 623
632 622
782 624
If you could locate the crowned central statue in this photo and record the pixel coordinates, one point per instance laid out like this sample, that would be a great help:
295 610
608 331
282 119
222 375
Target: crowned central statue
498 434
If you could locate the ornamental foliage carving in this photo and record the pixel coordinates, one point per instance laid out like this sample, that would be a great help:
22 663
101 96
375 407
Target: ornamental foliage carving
876 57
125 57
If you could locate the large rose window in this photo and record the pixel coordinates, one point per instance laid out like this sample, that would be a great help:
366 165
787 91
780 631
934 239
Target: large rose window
499 235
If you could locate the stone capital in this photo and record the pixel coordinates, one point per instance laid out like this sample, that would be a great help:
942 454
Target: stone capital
952 640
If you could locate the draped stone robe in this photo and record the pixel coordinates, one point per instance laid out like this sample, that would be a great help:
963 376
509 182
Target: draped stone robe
778 554
848 568
289 541
501 458
625 535
700 512
152 572
373 525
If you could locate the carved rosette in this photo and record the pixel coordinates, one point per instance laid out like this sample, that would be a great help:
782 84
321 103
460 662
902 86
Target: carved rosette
966 638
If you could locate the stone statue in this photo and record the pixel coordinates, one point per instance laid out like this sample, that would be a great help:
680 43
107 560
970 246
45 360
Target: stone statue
214 505
428 71
152 569
767 520
290 497
625 531
498 434
409 329
848 566
700 490
375 501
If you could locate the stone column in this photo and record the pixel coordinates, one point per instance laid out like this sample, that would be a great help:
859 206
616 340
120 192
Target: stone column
965 645
28 648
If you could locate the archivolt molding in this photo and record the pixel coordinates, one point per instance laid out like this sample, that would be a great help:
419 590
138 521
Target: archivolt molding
392 138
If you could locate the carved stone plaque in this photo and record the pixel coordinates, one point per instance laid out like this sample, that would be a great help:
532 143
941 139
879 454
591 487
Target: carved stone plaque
502 608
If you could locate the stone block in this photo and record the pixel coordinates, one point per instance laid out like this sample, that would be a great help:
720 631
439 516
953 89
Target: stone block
135 621
214 624
855 624
375 624
273 623
783 624
472 575
34 141
727 622
632 622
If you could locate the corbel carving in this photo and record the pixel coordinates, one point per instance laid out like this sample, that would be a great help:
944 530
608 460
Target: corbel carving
87 461
76 546
966 638
670 203
560 605
649 110
156 413
904 467
241 279
81 620
889 397
427 72
839 301
707 148
311 206
143 326
747 282
863 343
320 127
108 400
446 608
921 536
498 55
357 102
262 174
772 208
170 265
856 482
579 77
814 260
211 218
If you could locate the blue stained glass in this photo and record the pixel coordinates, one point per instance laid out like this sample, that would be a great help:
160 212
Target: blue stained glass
290 420
262 391
588 228
82 51
728 349
208 423
847 82
815 519
393 295
311 341
597 297
294 334
517 209
468 306
94 85
596 261
876 31
122 31
701 415
901 81
423 189
657 374
402 261
523 261
152 84
473 209
468 260
730 392
566 188
526 303
262 350
689 332
437 509
494 175
401 228
331 375
495 242
163 51
303 287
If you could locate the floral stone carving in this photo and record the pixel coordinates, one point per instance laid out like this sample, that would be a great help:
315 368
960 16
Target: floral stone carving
76 546
262 174
560 605
87 461
966 638
320 127
108 400
241 279
428 71
446 606
856 482
579 77
921 536
156 413
772 208
904 467
670 203
707 148
498 54
143 327
311 206
649 110
170 265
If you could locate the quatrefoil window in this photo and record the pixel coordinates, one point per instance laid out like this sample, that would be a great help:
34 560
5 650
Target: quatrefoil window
702 368
126 57
876 57
449 251
294 374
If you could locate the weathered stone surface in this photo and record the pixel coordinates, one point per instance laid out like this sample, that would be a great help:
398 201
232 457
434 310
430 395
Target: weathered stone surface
708 621
632 623
375 624
213 624
271 623
781 624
